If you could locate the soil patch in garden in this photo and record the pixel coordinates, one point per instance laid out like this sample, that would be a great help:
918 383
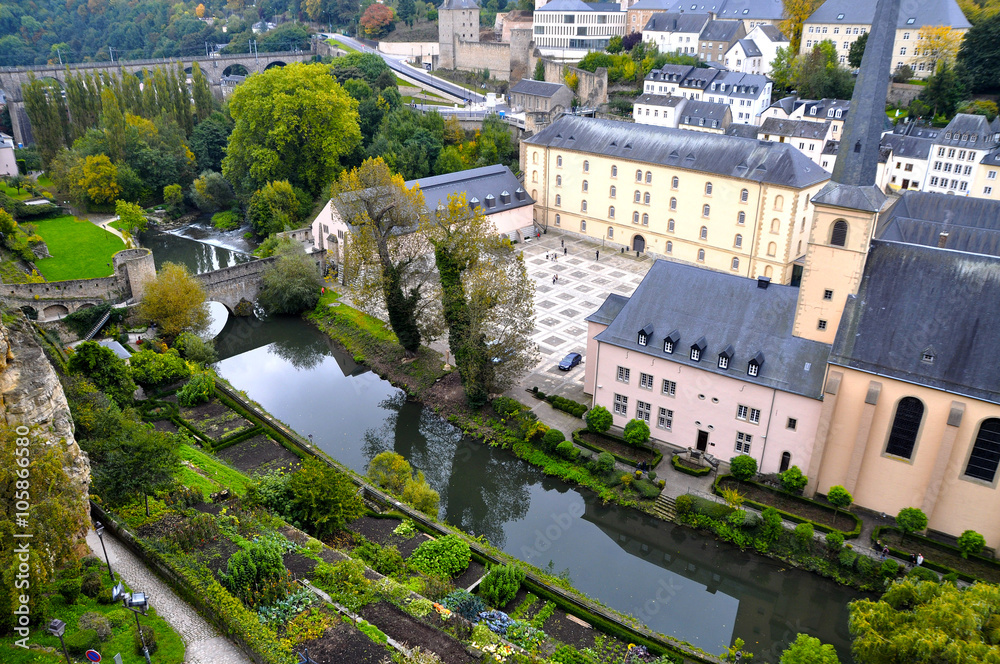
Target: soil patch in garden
216 555
509 607
209 508
380 531
342 643
161 527
955 561
215 420
788 504
411 632
618 447
472 573
258 455
300 566
165 425
561 628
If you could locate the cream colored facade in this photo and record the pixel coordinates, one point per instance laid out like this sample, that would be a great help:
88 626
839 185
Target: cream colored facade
904 48
858 413
986 183
595 196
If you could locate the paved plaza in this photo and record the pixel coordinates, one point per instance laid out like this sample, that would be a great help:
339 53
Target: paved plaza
583 283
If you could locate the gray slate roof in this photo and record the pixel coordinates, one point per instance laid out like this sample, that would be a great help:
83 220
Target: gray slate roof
733 9
459 4
750 48
610 308
758 161
675 22
743 130
659 100
795 128
654 4
972 224
970 131
909 147
723 31
578 6
916 129
694 111
915 299
526 86
923 12
477 183
673 296
772 32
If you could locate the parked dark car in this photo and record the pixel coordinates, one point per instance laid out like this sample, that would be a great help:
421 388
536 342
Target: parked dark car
570 361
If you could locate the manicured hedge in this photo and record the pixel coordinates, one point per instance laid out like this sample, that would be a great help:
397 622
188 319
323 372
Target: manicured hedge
579 440
697 472
929 543
574 408
795 518
238 437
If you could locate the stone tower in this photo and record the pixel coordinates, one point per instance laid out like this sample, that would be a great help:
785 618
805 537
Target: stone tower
458 21
846 208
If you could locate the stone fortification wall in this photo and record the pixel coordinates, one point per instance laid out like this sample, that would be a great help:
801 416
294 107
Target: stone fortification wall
476 56
592 88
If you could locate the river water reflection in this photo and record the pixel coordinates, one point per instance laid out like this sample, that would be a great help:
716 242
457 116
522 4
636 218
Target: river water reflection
673 579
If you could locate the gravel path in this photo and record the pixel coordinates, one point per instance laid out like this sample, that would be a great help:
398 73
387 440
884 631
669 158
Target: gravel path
203 643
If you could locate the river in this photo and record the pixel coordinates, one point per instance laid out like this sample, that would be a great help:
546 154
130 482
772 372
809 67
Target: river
672 578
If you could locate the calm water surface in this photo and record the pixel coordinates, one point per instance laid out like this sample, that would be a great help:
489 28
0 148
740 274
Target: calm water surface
673 579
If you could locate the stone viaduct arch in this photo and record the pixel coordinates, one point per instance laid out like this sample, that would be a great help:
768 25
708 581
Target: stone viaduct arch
12 78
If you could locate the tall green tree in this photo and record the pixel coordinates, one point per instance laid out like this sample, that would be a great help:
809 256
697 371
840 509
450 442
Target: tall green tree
291 284
980 53
323 499
291 123
820 75
857 51
113 123
385 254
273 208
201 92
106 370
43 113
944 90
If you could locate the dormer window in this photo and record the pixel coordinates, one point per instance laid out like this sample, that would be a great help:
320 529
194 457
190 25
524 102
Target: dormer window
725 356
670 341
668 346
755 363
644 335
927 356
697 349
643 338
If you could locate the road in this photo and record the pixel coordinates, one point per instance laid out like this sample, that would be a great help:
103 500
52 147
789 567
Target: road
398 64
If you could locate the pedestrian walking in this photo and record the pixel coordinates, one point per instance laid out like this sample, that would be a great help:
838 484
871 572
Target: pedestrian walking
553 278
920 559
597 255
885 552
565 250
913 559
562 243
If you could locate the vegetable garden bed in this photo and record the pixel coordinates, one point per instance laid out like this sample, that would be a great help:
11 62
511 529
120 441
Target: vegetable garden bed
618 448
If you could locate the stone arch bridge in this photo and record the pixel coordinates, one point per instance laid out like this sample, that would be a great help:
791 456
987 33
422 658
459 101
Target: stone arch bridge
133 269
215 69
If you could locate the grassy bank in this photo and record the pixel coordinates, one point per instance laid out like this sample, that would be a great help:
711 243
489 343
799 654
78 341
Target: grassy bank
79 249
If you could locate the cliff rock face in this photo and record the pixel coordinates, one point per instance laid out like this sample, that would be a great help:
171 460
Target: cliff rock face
32 396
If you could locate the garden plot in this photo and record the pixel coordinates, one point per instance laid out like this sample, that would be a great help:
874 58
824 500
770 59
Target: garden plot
411 632
257 455
215 420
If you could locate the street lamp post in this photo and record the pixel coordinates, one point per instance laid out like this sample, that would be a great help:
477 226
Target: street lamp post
99 528
137 603
304 657
58 628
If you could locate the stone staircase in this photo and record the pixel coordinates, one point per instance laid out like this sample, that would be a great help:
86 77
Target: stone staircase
665 507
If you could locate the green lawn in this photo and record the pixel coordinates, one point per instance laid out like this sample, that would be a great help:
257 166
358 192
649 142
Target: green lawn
12 192
80 250
342 46
215 473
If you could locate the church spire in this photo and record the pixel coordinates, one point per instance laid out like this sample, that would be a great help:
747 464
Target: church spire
857 158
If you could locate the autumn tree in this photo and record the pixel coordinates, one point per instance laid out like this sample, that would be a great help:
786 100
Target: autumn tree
385 255
486 299
273 208
937 43
131 218
784 68
56 514
377 20
97 180
291 123
795 13
174 301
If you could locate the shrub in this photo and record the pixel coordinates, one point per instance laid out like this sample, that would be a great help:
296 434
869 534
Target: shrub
599 419
804 535
70 589
386 560
839 497
683 504
971 542
390 471
923 574
148 640
793 481
323 498
198 390
194 348
501 584
81 641
552 439
567 450
226 221
464 604
505 406
604 464
834 541
419 494
889 569
846 558
444 557
151 369
91 586
743 467
346 583
770 526
911 520
256 574
97 622
646 489
636 433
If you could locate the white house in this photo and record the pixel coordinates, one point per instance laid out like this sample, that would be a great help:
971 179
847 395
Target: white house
754 53
569 29
675 32
679 112
809 137
748 95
